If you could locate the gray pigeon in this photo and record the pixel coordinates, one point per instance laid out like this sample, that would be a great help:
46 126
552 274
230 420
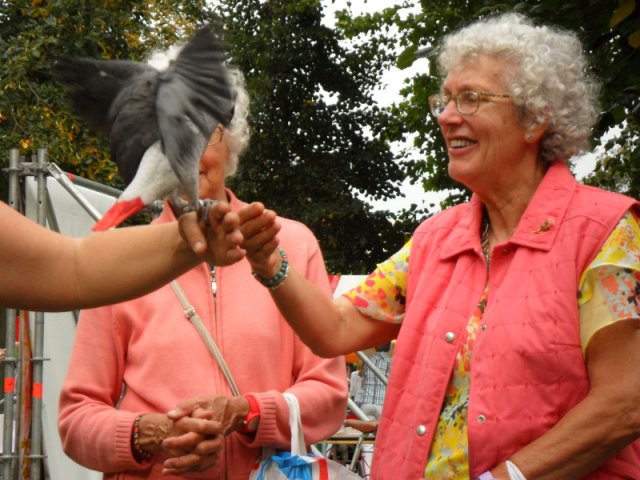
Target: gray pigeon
159 121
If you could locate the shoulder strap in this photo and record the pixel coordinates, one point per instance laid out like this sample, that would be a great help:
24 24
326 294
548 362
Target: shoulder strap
195 319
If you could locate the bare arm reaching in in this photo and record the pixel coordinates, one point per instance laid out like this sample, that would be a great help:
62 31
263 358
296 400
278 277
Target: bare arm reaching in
44 270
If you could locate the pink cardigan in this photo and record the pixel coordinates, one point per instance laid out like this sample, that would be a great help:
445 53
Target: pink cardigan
145 356
528 369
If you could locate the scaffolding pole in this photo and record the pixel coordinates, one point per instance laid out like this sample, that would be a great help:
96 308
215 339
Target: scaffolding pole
9 441
38 359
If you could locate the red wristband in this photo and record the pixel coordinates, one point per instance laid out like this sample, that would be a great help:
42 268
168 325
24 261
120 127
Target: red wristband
254 412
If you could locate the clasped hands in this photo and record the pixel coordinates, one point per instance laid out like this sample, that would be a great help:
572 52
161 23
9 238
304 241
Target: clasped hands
192 434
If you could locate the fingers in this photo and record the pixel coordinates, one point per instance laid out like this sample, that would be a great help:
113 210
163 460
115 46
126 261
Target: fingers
260 229
192 233
190 462
216 238
186 408
202 426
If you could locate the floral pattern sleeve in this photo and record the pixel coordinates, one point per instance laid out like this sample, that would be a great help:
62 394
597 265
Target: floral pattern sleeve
382 294
610 286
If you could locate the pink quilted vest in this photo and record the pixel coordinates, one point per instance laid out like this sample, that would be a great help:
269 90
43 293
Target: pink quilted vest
528 369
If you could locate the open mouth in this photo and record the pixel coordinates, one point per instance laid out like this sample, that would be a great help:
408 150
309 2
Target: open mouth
461 143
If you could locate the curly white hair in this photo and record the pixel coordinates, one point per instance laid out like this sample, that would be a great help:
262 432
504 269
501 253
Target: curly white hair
237 131
549 80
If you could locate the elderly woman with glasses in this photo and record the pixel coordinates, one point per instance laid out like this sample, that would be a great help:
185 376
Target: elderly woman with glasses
516 314
134 362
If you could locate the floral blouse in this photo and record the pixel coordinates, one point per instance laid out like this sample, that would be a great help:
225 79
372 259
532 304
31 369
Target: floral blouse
609 291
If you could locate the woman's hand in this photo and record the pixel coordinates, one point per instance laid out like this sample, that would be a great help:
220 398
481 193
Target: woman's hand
188 451
156 428
209 418
216 238
225 414
260 229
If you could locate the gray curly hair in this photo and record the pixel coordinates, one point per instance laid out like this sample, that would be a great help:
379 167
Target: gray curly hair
548 82
237 131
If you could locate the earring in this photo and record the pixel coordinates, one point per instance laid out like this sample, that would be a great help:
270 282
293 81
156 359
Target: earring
529 137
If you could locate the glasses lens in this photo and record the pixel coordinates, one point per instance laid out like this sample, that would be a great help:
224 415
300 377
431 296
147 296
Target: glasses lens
437 104
468 102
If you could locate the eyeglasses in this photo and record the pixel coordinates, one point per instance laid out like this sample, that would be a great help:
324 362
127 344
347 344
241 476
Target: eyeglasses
216 138
467 102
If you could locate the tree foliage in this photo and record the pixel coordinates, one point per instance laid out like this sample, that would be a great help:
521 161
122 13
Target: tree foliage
319 140
34 112
610 32
319 145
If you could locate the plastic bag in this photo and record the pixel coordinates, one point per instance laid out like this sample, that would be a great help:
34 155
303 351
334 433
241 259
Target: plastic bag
298 464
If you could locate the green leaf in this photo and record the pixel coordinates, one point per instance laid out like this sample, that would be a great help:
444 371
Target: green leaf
406 58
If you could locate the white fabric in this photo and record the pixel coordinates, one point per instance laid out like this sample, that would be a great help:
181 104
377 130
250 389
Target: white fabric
514 472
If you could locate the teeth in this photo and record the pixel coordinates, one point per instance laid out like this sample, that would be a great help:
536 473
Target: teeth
458 143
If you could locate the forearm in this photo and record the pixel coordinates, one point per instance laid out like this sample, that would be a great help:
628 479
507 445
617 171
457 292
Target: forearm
98 437
583 440
311 314
602 424
329 327
142 259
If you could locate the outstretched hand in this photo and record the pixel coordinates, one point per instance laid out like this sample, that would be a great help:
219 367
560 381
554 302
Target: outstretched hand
260 229
216 238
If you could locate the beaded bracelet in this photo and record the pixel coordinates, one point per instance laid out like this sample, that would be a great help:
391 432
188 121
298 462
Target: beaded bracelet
138 452
281 275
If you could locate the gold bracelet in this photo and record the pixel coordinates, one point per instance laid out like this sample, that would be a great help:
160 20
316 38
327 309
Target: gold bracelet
139 453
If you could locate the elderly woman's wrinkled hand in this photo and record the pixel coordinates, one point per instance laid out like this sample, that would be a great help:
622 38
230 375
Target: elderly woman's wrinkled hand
205 455
188 450
214 414
196 443
260 229
207 420
215 238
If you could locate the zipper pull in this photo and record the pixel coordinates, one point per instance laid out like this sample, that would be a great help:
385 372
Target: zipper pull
214 285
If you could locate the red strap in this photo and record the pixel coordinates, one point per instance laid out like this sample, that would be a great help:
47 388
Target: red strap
323 469
254 411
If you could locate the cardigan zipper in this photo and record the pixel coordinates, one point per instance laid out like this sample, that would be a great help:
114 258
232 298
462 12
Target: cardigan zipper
214 283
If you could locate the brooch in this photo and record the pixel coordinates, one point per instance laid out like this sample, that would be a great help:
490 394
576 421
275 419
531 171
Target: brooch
545 227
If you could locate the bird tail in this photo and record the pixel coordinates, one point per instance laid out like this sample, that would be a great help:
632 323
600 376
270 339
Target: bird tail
119 212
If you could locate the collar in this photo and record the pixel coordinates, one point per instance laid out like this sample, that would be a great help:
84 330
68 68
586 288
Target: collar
539 224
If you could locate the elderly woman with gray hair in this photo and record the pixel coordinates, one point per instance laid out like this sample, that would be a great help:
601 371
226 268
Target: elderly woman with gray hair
139 366
516 314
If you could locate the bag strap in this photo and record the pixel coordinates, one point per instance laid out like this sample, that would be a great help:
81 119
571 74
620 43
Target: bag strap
297 436
190 312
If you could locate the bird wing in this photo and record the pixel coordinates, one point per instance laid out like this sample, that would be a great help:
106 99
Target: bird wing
194 95
134 127
93 85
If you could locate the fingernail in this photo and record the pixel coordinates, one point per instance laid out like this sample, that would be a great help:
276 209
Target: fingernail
198 247
171 413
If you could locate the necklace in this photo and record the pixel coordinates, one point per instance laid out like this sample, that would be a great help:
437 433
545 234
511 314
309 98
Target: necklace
484 238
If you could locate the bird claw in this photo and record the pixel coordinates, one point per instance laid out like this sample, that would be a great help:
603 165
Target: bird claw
203 210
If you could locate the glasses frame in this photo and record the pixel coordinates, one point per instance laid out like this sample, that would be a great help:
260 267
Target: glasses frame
216 142
445 98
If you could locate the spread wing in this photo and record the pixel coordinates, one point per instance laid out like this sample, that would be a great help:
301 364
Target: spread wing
93 85
194 95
